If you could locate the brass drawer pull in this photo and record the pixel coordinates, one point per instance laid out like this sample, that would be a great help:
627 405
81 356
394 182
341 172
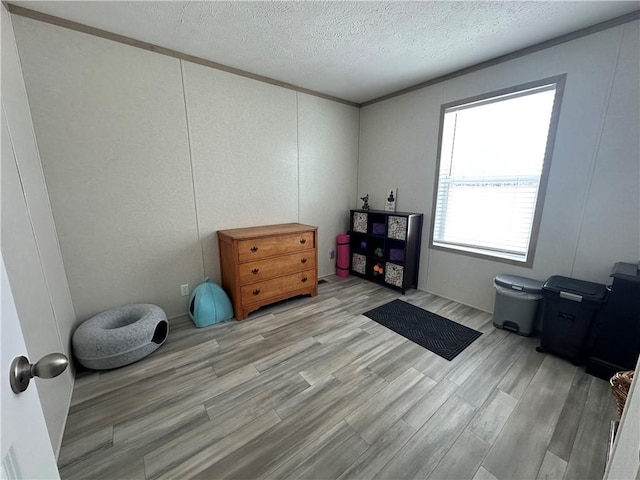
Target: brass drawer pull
254 249
303 260
303 241
304 279
256 291
255 270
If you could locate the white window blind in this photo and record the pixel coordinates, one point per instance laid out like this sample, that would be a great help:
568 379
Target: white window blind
491 161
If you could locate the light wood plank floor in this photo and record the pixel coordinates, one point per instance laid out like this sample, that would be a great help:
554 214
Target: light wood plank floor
310 388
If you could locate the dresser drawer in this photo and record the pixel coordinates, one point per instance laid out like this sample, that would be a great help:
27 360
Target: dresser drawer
257 292
259 270
277 245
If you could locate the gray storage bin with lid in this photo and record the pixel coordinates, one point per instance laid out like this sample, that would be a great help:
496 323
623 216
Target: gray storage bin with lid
569 308
517 301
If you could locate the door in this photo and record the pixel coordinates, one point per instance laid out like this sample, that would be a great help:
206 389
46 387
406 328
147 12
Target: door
26 449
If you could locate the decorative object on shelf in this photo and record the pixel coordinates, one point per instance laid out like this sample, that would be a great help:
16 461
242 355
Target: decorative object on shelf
385 247
390 203
365 199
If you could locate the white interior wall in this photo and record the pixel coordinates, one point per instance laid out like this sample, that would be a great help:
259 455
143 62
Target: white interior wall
30 244
145 157
243 146
610 226
328 152
111 127
596 132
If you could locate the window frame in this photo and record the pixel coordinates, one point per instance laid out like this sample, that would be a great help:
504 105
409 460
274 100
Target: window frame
477 252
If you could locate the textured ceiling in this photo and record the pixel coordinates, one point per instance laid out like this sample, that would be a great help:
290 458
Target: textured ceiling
356 51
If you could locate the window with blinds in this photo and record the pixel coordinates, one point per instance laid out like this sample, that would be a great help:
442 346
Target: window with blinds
494 158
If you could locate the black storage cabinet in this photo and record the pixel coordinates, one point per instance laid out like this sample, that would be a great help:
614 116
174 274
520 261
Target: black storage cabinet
616 331
569 307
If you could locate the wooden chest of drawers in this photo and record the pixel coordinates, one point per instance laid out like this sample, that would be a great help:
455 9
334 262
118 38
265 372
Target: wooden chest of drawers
262 265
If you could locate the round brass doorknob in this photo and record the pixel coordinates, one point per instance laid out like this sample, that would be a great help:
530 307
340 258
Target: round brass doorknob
22 371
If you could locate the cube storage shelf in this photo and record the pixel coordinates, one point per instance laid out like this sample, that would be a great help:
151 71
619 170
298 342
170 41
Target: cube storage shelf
385 247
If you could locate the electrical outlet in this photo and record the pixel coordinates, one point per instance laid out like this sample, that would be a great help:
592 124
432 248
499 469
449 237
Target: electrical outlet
332 254
184 289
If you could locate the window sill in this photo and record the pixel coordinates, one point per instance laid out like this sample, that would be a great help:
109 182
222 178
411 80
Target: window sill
501 257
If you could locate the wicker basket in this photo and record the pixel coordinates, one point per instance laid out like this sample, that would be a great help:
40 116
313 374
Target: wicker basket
620 384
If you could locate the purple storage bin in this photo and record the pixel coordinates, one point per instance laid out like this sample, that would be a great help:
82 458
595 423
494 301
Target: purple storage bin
379 229
396 254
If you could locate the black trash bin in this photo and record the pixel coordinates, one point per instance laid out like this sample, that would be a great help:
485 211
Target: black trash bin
569 307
